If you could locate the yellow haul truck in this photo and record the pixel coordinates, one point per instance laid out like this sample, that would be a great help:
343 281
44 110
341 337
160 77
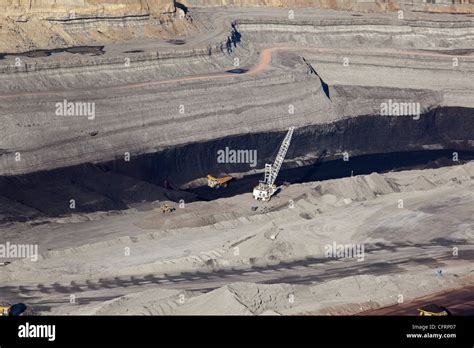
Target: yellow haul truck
433 310
214 182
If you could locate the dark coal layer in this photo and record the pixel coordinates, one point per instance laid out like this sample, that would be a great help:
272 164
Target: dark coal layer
374 143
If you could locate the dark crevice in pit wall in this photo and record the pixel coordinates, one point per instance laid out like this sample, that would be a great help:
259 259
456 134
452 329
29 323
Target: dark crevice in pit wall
325 170
451 128
375 144
91 50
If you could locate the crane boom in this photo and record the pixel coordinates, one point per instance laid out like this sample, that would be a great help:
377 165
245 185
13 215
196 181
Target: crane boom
267 188
281 156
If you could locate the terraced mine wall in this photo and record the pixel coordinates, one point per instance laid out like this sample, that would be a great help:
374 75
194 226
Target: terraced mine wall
233 107
45 24
445 6
373 143
371 32
355 5
360 32
224 45
62 7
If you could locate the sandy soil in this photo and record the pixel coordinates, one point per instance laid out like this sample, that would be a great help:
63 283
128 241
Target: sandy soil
281 242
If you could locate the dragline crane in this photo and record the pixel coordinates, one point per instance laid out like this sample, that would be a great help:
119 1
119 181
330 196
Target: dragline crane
266 187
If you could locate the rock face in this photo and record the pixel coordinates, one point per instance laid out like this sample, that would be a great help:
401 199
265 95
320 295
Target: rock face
446 6
45 24
130 7
85 7
355 5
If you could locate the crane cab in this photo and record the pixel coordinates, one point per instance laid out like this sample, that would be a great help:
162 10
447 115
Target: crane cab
263 192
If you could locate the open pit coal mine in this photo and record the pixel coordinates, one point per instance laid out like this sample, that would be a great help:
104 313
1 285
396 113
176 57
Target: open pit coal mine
118 113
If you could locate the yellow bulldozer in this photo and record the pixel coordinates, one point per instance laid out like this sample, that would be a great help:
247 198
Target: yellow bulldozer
4 311
214 182
14 310
166 208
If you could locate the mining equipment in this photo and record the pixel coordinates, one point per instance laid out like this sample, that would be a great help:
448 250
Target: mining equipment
433 310
266 187
216 183
166 208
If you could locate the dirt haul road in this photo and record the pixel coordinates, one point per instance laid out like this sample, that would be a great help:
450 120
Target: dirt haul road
44 296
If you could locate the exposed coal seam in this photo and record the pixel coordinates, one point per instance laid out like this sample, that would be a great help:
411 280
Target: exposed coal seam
375 143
